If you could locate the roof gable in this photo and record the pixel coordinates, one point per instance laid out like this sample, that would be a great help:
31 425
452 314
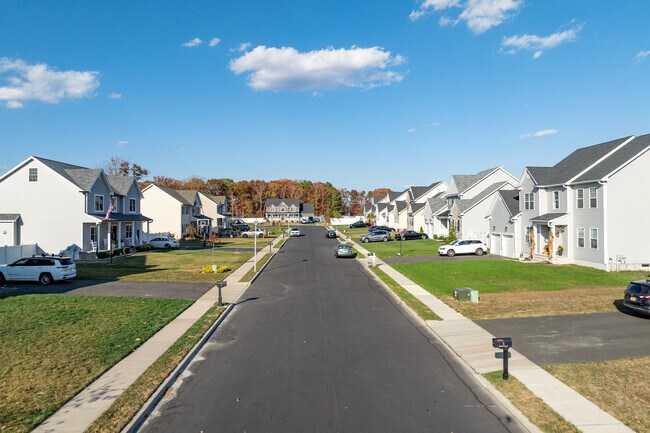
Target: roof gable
510 198
616 160
465 205
463 182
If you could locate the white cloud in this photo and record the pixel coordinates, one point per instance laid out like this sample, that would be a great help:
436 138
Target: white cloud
193 43
242 47
115 95
286 68
412 130
642 55
122 143
214 42
538 134
539 44
436 124
39 82
479 15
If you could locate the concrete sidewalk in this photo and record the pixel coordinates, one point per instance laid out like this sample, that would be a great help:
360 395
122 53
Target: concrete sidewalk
473 345
82 410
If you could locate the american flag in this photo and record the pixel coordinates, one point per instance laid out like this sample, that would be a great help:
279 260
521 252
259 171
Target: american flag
108 212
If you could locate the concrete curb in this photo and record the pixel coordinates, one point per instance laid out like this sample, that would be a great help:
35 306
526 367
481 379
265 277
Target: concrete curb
273 253
147 409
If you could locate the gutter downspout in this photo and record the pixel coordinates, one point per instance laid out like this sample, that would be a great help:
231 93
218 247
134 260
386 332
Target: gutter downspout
606 261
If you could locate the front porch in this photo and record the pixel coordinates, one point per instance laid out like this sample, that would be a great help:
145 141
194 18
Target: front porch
550 238
118 231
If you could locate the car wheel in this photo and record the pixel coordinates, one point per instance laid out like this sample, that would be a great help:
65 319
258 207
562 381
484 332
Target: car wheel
366 240
167 246
45 279
479 251
423 237
2 278
451 253
244 235
384 239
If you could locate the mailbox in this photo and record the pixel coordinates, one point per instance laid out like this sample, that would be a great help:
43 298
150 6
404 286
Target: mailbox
502 342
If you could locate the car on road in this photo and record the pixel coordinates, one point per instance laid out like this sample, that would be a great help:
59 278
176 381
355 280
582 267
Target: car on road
376 236
463 246
344 250
42 268
637 296
384 228
331 234
407 235
259 233
166 243
295 232
358 225
227 233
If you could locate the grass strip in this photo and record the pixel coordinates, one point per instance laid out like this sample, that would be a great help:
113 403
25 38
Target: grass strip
538 412
53 346
414 303
616 386
251 272
129 403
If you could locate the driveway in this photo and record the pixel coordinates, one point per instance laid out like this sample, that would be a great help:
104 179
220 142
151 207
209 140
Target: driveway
144 289
319 346
437 258
575 338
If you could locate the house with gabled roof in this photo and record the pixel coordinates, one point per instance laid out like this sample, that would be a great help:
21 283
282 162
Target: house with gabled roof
416 201
69 208
287 209
436 216
592 204
504 222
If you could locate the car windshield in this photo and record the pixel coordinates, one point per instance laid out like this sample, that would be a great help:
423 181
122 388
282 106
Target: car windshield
453 243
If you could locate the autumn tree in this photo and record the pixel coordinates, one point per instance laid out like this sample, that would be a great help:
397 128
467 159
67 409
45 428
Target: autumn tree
123 167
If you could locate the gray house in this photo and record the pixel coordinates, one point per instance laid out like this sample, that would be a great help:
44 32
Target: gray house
591 208
288 209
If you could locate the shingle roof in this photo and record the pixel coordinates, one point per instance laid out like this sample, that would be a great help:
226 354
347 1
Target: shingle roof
464 182
121 184
415 207
616 160
60 167
381 206
511 199
174 193
573 164
419 191
400 205
308 208
393 195
465 204
84 178
9 216
437 203
547 217
287 201
189 195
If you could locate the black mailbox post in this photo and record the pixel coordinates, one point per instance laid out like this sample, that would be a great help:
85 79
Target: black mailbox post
503 343
220 285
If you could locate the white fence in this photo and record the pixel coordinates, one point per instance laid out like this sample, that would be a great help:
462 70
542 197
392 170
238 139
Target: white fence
345 220
11 254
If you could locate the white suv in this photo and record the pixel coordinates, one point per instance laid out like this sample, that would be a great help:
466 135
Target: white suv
463 246
42 268
164 243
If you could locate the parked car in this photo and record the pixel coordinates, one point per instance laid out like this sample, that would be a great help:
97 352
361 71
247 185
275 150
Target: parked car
227 233
331 234
407 235
42 268
295 232
164 243
259 233
376 236
464 246
384 228
637 296
358 225
343 250
240 227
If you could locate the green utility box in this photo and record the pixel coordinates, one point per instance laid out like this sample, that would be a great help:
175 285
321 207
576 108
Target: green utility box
465 294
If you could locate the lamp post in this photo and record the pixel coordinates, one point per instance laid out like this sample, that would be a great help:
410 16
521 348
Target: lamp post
255 248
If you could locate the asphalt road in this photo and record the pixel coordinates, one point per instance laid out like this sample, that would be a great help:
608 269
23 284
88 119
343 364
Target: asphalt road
319 346
575 338
145 289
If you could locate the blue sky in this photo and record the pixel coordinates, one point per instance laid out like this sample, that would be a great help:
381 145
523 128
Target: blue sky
364 94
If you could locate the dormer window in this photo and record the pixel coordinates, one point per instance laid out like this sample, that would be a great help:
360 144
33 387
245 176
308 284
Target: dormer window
33 174
99 203
132 205
529 201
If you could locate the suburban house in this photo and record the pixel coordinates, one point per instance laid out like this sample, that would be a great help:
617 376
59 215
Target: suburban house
288 209
590 208
436 216
405 209
504 221
417 199
174 210
469 200
67 208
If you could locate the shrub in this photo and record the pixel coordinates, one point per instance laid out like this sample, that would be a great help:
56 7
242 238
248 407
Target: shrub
102 254
421 229
126 250
452 234
115 252
222 269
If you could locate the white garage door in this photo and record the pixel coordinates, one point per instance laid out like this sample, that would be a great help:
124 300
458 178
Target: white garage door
495 243
508 246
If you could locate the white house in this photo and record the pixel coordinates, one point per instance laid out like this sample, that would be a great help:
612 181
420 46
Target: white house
436 217
504 223
593 204
64 207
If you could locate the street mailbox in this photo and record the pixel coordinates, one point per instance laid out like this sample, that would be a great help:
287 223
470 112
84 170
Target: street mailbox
503 343
221 285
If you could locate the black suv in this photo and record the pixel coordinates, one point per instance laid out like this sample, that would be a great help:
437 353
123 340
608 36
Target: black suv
358 225
227 233
637 296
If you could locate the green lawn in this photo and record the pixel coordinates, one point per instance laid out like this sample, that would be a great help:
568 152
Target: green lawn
419 247
251 272
54 345
164 265
503 275
416 305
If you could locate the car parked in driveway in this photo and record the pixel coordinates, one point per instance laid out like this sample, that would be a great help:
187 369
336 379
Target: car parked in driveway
259 233
331 234
463 246
164 243
358 225
295 232
408 235
42 268
376 236
384 228
343 250
227 233
637 296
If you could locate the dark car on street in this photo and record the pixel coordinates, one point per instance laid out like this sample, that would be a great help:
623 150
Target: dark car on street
407 235
331 234
382 228
358 225
637 296
227 233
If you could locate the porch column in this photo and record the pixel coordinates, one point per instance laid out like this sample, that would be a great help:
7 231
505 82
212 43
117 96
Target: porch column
119 235
98 237
536 239
108 238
